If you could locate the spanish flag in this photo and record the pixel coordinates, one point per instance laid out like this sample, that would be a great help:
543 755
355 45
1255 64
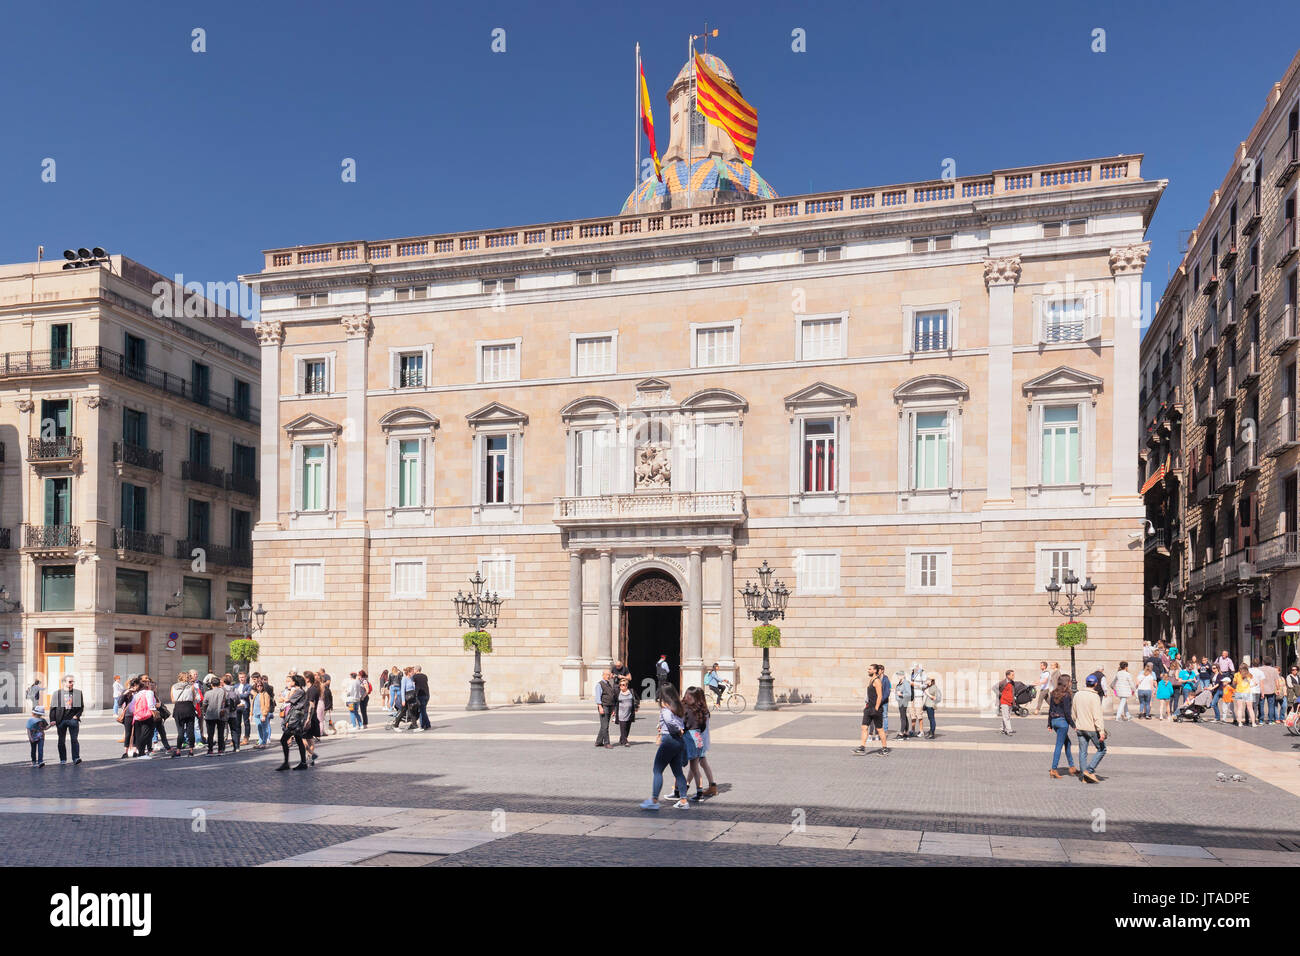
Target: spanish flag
722 105
647 119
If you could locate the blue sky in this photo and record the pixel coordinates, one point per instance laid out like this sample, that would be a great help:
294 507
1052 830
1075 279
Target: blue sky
195 162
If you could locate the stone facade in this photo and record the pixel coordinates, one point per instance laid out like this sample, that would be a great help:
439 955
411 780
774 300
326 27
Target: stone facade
1228 424
85 359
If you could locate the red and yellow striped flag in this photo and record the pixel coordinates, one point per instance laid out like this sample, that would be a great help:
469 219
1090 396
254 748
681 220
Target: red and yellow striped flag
723 106
648 121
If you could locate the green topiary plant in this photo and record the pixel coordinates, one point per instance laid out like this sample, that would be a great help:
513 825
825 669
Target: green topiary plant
478 641
1071 634
767 635
244 651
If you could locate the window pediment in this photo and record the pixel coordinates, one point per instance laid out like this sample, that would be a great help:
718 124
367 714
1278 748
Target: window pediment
408 417
313 424
1063 379
496 414
653 392
715 399
928 388
820 395
589 406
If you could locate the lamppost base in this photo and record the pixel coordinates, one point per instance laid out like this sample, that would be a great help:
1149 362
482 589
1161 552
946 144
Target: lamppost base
766 699
476 698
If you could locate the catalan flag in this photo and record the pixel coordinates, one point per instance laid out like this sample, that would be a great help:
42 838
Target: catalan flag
647 118
723 106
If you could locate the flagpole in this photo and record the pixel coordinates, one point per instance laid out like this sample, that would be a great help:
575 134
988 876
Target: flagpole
690 121
636 168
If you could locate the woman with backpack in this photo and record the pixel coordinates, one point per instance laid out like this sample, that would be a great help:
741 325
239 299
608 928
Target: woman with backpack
143 706
231 710
262 704
672 729
183 711
126 719
214 715
311 731
296 719
1060 719
696 721
366 689
931 697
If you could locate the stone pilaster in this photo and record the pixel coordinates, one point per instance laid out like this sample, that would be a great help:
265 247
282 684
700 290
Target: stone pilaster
1000 276
1126 265
357 328
270 335
604 613
571 667
693 665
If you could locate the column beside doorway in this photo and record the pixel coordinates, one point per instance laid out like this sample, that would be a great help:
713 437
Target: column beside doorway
604 613
693 665
571 667
726 620
270 336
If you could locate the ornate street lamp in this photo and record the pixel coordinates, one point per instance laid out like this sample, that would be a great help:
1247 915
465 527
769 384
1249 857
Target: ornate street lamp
244 619
764 603
477 610
1071 607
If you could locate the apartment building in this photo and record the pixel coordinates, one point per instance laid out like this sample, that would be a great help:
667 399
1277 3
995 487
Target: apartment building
1227 321
916 402
128 443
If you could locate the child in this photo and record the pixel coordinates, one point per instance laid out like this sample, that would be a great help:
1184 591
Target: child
36 725
1164 691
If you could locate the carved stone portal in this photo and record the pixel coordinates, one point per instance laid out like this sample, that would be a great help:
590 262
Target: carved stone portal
653 466
653 587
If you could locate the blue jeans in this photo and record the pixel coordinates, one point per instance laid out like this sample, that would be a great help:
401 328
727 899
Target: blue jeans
354 716
669 754
929 715
1144 703
1271 699
263 730
1062 728
1218 695
1086 737
38 750
424 714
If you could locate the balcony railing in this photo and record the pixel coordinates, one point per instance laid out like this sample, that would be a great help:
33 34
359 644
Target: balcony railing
206 474
724 505
1284 332
1212 279
63 448
1287 238
1228 243
142 542
217 554
1205 485
243 485
1245 460
1281 435
1250 287
1209 340
1280 552
1223 474
1252 220
94 358
51 536
1248 364
137 456
1288 158
1227 386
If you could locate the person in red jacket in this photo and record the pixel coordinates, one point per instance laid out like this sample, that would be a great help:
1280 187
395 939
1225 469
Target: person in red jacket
1007 700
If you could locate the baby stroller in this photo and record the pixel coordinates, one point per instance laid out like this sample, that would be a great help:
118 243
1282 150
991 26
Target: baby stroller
1196 706
1292 720
1025 694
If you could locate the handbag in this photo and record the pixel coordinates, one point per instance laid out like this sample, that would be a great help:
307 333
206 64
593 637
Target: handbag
162 713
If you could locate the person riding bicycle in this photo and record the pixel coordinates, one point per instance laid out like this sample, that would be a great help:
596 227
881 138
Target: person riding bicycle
715 682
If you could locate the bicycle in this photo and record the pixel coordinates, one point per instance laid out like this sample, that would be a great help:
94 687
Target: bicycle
733 701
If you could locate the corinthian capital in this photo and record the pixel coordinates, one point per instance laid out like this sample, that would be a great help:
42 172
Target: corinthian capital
269 333
1002 271
1129 258
357 326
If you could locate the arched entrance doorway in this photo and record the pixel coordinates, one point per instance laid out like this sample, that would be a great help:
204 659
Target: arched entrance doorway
650 625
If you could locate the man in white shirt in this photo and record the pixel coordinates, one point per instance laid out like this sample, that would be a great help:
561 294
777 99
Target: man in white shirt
917 679
1044 686
118 690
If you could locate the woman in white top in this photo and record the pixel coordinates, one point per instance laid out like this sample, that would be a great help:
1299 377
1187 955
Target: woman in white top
1146 688
1123 691
1256 688
672 749
143 705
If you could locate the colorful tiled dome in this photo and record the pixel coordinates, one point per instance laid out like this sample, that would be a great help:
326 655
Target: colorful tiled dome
730 181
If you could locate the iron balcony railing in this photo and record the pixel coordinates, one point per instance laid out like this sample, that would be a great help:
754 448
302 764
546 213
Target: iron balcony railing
1228 243
217 554
1223 473
1281 435
1284 329
1227 386
1252 212
1288 157
51 536
137 456
1245 460
63 448
1064 331
1248 364
1250 286
243 485
410 378
1287 238
1279 552
142 542
206 474
92 358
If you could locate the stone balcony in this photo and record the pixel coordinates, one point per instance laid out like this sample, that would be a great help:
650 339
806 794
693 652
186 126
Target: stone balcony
647 507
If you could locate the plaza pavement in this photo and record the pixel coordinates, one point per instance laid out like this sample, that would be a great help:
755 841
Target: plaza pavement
524 785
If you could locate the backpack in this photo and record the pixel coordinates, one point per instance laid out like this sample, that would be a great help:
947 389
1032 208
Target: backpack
140 707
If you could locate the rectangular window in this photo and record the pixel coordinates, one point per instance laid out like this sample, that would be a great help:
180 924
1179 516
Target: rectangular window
58 501
595 355
812 255
134 354
1064 320
498 574
56 417
315 377
1056 561
311 299
410 370
60 345
930 333
200 382
243 399
58 587
1060 445
496 454
243 460
408 579
200 447
821 338
238 592
594 459
307 579
135 507
715 461
199 526
196 600
412 293
596 277
241 530
715 346
313 478
500 362
927 570
819 454
135 428
132 592
492 286
930 455
818 572
408 473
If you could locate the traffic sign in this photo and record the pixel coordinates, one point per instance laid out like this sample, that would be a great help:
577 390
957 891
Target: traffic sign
1291 619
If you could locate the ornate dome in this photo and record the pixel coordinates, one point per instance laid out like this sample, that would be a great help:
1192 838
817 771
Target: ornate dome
713 63
709 180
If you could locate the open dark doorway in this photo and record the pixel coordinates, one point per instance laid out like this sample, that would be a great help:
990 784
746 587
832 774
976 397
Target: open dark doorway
651 625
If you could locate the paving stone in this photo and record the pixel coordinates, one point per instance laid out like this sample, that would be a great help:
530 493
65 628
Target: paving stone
1171 849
